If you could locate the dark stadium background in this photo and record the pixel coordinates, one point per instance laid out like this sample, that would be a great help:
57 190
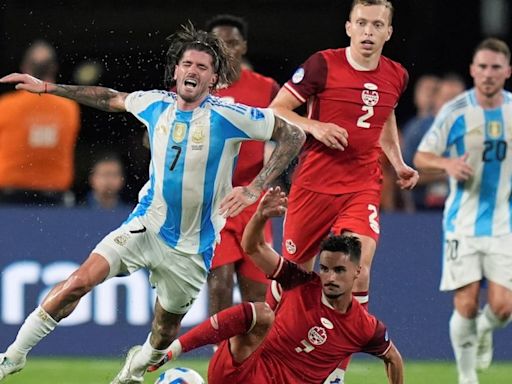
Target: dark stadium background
128 39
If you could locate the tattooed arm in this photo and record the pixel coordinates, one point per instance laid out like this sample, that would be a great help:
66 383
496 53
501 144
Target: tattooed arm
102 98
289 139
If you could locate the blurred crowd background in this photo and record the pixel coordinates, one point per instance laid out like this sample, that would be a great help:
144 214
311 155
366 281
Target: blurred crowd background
122 44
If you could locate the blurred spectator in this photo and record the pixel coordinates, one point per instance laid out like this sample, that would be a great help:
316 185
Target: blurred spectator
106 180
37 138
432 189
393 198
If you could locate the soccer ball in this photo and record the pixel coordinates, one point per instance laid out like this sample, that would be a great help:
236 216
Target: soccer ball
180 375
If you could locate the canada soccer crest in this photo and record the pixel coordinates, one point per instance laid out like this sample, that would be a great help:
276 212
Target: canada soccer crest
317 335
370 95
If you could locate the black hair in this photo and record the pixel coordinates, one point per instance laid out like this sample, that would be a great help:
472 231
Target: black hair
231 21
349 245
190 38
106 157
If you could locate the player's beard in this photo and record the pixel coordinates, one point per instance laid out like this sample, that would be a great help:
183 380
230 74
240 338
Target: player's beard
333 296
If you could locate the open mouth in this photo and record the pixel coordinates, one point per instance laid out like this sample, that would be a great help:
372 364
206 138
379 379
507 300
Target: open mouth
190 83
367 43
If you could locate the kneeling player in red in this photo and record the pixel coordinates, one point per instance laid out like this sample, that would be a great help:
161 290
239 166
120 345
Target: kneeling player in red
316 324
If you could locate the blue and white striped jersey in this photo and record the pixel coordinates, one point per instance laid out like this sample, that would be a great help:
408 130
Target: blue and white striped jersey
193 154
481 206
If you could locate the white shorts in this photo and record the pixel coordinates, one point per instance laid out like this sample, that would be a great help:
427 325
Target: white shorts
467 259
176 276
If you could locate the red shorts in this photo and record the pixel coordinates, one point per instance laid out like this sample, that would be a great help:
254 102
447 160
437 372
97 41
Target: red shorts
229 250
311 216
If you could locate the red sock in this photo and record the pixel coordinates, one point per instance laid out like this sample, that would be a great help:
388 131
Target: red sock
362 297
230 322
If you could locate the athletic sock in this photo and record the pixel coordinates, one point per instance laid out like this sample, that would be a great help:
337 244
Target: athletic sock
145 357
487 320
464 343
36 326
229 322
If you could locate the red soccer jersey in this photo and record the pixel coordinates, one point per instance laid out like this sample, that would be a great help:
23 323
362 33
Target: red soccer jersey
360 102
257 91
309 338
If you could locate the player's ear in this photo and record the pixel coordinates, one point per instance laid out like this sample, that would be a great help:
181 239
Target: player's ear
358 271
175 71
214 80
347 28
390 32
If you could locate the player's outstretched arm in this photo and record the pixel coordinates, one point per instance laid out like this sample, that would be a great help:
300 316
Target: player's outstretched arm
253 240
394 365
289 139
329 134
102 98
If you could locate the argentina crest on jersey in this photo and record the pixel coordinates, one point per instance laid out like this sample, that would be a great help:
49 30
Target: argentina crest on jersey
494 129
179 130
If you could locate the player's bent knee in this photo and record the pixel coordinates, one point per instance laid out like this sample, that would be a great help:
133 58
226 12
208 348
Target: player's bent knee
467 308
502 310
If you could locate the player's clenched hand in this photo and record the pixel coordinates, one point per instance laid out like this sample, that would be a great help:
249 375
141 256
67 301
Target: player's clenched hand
407 177
458 168
331 135
27 82
237 200
273 204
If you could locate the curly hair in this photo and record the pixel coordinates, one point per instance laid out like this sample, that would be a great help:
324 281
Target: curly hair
349 245
191 38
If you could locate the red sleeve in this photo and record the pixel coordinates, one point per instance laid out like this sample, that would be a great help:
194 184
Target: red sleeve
289 275
309 79
379 343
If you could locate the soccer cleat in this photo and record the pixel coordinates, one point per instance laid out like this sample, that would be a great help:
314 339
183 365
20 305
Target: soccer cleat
125 376
166 358
8 366
484 350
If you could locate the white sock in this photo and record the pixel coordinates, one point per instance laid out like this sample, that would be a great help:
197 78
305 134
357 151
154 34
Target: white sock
36 326
487 320
146 357
464 344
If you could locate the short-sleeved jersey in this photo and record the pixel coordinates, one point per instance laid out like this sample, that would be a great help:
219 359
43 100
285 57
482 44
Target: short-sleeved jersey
37 141
309 338
192 160
480 206
359 101
257 91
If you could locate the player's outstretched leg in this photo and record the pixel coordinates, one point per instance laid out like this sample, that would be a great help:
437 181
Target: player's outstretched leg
36 326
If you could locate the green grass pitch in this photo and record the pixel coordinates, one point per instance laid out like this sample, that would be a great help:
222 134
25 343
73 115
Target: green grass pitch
367 371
